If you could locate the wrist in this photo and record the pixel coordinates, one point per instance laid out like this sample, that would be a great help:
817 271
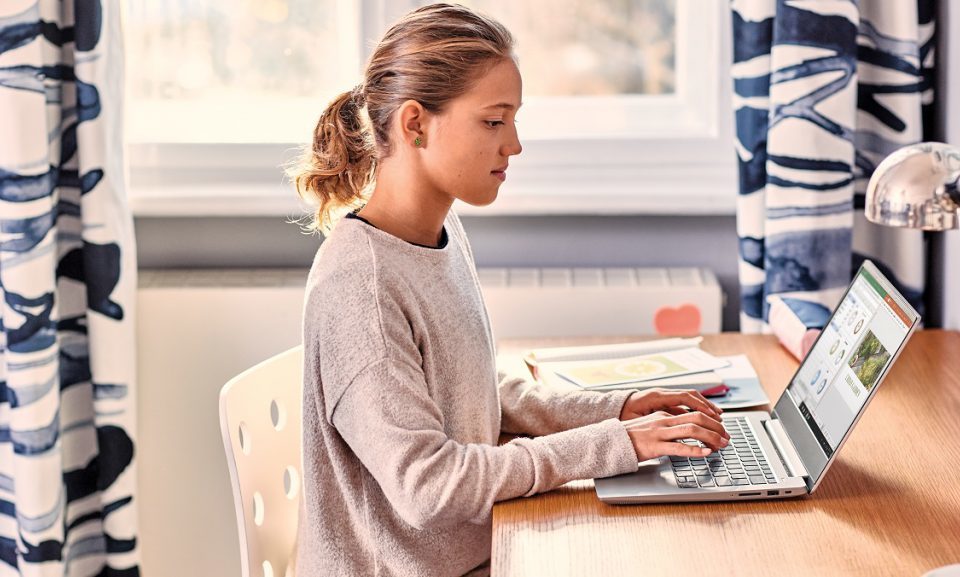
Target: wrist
624 409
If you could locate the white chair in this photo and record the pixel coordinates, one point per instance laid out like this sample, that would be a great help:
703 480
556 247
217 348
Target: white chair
261 422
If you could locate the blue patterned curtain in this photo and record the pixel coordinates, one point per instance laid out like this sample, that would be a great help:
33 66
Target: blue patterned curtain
824 90
68 282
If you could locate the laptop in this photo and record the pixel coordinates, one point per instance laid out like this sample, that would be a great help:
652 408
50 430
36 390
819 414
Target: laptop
788 452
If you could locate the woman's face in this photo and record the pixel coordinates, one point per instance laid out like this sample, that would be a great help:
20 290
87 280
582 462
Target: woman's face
469 144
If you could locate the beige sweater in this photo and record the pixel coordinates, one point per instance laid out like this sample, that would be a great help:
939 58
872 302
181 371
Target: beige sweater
403 407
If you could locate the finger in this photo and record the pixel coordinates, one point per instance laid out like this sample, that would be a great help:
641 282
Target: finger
709 403
676 410
681 450
702 404
701 419
693 431
695 400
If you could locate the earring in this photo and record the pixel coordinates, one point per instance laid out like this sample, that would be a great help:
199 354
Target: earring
418 141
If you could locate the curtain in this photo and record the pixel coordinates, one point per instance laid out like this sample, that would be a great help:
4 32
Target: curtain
823 91
68 278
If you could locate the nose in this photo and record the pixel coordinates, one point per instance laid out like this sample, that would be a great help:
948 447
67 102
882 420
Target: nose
512 146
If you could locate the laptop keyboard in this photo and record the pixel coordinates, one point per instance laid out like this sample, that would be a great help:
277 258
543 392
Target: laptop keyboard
741 462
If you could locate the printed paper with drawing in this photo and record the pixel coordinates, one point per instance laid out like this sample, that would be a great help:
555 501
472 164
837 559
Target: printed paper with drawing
639 368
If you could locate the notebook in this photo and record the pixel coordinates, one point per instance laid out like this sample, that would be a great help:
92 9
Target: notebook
787 453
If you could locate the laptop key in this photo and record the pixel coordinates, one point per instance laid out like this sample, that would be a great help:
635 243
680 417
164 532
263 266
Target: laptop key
687 484
757 480
740 481
724 482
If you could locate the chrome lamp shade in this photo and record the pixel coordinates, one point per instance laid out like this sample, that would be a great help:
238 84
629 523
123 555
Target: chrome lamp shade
916 187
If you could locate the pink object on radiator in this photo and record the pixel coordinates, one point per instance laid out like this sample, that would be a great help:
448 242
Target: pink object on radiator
680 321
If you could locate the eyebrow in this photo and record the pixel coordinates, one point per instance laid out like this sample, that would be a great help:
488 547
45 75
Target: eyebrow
506 105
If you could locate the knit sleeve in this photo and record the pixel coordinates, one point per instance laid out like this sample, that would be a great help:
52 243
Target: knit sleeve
531 408
390 422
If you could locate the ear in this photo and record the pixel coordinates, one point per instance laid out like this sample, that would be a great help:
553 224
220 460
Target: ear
412 119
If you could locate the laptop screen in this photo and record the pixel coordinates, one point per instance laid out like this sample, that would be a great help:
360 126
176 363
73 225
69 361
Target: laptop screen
844 367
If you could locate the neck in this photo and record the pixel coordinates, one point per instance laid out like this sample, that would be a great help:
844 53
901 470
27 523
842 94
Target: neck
406 208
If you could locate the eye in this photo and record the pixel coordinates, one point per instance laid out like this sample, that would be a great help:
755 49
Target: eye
493 123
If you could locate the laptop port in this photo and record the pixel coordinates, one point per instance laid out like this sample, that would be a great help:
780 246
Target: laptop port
758 493
773 492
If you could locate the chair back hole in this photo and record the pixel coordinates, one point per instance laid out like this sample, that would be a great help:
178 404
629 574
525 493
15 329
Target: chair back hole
291 482
258 508
244 433
278 416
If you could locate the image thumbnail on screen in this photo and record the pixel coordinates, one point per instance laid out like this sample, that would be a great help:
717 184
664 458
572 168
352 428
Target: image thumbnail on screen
869 360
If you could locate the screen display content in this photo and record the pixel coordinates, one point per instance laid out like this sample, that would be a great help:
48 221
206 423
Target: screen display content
852 353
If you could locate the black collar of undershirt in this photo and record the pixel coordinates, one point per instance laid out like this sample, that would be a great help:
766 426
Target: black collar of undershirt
443 231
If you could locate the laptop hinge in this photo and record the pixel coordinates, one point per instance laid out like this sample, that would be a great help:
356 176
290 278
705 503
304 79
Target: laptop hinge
788 454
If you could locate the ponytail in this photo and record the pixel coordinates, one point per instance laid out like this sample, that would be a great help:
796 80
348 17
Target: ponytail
337 169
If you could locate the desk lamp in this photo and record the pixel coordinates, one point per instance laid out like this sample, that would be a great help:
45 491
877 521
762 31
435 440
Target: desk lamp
916 187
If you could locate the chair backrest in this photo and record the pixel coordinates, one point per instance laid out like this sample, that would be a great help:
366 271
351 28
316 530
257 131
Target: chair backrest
260 420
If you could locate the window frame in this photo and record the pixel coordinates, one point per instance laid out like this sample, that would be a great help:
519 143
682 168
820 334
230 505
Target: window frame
690 172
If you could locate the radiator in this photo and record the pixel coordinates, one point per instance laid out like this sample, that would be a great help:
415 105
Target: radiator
545 302
197 329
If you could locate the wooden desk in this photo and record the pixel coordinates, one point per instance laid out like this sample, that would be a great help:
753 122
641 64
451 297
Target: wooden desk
889 506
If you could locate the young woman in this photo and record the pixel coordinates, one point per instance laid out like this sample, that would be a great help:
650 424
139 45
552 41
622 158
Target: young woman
402 402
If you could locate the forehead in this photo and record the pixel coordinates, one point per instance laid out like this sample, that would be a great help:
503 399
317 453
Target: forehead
499 84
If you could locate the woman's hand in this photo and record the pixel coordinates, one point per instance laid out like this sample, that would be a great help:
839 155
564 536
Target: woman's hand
655 435
673 401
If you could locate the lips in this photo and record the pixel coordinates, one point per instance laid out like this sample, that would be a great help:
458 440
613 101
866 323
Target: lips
500 173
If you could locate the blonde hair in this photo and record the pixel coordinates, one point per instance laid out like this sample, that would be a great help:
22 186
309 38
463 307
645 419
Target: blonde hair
432 55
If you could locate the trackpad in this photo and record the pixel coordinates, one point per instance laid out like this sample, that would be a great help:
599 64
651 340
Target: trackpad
653 476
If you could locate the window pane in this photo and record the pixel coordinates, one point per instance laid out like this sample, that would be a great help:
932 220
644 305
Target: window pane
590 48
221 63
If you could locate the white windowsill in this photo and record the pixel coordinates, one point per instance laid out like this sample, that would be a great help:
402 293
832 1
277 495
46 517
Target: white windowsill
698 199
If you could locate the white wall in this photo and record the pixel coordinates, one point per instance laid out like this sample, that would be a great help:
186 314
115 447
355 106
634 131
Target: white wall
950 29
190 342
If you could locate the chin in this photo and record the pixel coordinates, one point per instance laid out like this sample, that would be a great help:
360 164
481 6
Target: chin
480 199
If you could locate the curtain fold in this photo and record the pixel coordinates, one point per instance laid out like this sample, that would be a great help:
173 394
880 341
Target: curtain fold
823 91
68 283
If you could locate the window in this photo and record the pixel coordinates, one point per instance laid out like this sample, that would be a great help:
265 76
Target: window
220 71
623 108
591 48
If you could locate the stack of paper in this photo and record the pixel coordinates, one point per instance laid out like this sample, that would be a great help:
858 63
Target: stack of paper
655 369
673 363
617 351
